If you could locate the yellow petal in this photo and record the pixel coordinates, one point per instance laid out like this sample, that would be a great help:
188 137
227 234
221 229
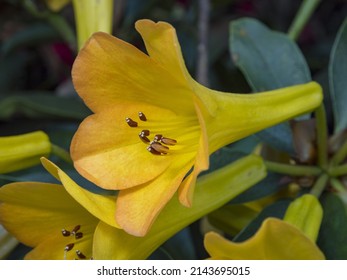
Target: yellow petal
100 206
138 207
213 190
109 72
275 240
35 213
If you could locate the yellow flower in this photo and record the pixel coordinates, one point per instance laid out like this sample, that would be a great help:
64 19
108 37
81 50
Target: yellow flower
58 221
23 151
275 240
153 123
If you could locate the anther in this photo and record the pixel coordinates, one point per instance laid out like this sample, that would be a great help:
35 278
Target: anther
152 150
157 137
78 235
65 232
68 247
142 116
130 122
159 147
145 132
144 138
168 141
80 255
75 229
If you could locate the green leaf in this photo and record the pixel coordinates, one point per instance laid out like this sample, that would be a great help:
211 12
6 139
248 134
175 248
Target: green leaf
332 238
276 210
42 104
337 78
269 60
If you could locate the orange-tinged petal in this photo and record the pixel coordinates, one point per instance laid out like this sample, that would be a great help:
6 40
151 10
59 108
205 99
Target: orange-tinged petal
162 45
107 146
109 71
35 213
275 240
138 207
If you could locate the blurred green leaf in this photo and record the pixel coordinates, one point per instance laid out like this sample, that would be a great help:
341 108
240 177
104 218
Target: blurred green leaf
270 185
41 104
269 60
276 210
337 78
33 35
332 237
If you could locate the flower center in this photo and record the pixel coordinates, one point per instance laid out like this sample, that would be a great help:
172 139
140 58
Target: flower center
75 234
155 134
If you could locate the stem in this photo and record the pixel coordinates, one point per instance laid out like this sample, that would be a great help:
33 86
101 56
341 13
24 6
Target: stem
305 11
337 185
320 185
61 153
340 155
322 136
338 170
294 170
203 26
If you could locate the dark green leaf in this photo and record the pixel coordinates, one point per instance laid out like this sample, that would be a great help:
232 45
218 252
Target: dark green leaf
33 35
276 210
337 78
332 237
268 59
42 104
270 185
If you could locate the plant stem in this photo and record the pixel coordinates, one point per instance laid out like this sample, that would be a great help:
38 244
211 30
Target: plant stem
294 170
305 11
340 155
61 153
320 185
337 185
322 136
338 170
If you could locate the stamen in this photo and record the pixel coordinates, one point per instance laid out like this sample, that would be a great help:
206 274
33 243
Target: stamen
151 150
142 116
65 232
144 138
80 255
75 229
168 141
130 122
79 235
158 137
145 132
69 246
159 147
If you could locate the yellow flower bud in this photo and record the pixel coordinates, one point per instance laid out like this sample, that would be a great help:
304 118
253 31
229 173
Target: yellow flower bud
305 213
22 151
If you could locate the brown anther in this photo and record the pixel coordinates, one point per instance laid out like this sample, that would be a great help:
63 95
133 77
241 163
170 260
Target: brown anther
144 138
75 229
151 150
159 147
69 246
65 232
80 255
145 132
157 137
168 141
142 116
130 122
78 235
